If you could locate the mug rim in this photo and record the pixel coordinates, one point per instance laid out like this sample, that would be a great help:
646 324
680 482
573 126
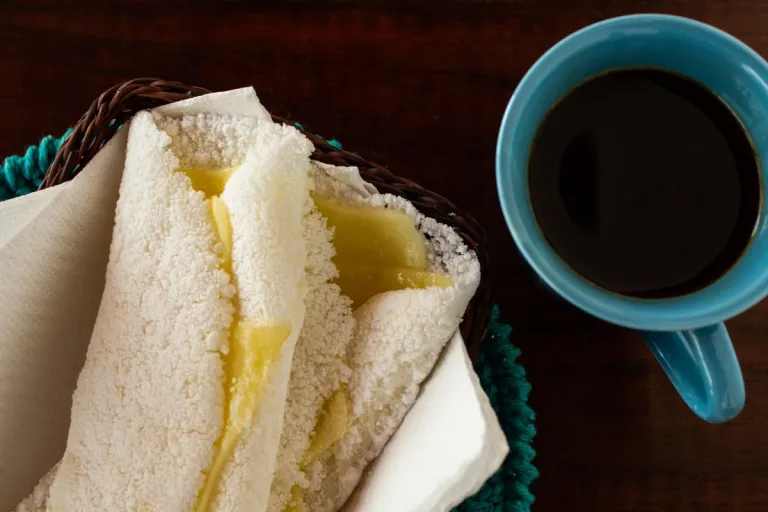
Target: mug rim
643 314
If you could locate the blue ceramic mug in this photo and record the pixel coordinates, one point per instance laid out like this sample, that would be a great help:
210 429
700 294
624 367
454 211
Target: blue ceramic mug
686 333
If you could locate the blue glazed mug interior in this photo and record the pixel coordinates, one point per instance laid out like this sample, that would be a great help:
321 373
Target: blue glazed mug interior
727 67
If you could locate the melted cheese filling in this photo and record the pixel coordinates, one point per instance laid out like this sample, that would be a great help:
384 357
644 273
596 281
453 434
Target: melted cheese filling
210 182
331 425
254 349
377 250
374 235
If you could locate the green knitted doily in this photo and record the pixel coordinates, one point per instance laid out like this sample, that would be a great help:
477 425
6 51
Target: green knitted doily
502 377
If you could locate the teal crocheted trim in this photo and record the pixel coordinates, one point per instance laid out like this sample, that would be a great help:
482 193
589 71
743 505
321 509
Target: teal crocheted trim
502 377
21 175
507 387
331 142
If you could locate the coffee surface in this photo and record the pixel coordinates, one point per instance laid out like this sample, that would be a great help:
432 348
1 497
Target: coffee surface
645 183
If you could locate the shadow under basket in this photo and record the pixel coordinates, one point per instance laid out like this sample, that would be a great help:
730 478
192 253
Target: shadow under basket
117 105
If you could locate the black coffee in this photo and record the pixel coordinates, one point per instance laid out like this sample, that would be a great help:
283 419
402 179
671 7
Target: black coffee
645 183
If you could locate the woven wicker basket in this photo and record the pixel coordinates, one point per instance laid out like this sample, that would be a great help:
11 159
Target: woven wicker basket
118 104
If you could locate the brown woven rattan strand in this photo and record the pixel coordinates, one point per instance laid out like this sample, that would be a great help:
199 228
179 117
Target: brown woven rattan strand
117 105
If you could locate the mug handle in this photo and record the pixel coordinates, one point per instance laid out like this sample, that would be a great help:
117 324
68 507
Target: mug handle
702 365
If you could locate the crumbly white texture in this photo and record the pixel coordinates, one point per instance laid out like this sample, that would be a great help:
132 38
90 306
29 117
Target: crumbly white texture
318 367
398 338
38 500
266 199
397 342
214 141
149 403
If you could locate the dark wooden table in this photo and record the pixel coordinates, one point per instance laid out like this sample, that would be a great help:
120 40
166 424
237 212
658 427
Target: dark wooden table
421 90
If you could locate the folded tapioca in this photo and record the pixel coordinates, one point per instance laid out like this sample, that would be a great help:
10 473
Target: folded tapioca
179 405
266 324
409 280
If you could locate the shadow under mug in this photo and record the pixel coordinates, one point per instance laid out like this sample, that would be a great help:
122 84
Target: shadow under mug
685 333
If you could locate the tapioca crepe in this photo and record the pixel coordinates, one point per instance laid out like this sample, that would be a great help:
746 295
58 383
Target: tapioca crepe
267 323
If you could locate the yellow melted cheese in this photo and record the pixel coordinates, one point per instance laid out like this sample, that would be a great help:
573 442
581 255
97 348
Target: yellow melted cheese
254 352
296 501
377 250
374 235
361 281
223 227
330 427
210 182
254 349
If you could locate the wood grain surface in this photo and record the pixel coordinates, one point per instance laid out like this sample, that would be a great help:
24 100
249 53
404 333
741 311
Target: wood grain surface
421 89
